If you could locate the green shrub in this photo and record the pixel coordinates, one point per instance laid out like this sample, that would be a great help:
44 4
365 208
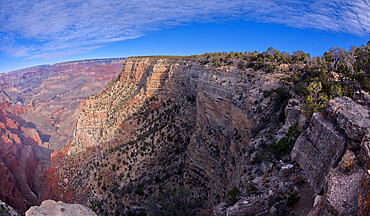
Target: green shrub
139 190
104 188
233 196
4 211
275 151
252 187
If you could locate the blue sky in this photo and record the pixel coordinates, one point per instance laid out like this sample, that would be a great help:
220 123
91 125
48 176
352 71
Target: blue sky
46 32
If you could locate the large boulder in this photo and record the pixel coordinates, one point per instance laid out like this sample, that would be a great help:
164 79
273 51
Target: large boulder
353 118
52 208
294 114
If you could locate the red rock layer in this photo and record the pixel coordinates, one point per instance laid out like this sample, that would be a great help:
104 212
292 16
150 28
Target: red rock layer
52 94
17 160
46 98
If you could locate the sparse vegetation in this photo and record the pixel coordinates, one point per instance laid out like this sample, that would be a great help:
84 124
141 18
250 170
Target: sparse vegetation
347 163
4 211
276 150
173 201
233 196
146 134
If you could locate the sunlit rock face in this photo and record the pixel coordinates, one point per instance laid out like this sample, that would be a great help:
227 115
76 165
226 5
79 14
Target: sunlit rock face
174 121
22 159
38 112
52 94
162 122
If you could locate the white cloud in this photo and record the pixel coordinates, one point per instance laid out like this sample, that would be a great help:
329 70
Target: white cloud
55 28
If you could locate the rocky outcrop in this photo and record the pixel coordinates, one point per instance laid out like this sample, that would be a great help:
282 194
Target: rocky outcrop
364 195
227 103
171 122
294 114
334 153
50 207
314 154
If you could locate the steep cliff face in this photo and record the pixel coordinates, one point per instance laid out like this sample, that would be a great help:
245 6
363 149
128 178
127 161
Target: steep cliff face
227 111
22 160
334 152
162 122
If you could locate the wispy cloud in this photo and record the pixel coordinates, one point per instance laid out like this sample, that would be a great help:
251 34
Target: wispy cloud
54 28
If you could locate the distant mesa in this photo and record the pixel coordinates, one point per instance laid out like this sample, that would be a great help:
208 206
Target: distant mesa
51 94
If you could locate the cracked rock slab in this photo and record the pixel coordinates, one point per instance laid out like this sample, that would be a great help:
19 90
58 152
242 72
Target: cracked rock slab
353 118
313 153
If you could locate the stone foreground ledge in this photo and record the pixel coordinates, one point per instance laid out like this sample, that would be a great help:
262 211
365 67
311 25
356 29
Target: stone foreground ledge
52 208
334 151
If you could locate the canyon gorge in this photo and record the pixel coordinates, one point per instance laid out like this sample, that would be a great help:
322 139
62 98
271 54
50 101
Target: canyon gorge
237 139
175 122
39 109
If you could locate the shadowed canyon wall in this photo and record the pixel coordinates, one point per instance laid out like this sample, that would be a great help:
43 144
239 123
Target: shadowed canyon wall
162 122
172 122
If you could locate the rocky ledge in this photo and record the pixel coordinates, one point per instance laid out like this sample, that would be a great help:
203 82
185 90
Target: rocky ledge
50 207
334 152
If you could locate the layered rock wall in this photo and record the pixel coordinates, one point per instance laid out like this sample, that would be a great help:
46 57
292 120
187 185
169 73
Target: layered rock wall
38 113
22 160
334 153
52 94
195 120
